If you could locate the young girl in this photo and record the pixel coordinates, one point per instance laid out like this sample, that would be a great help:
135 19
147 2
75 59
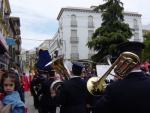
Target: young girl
9 83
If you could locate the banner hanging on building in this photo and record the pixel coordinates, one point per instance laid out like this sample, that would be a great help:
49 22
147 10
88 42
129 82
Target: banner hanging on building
10 41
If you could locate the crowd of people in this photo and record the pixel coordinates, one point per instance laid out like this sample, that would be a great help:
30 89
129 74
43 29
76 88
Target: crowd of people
121 95
50 89
46 100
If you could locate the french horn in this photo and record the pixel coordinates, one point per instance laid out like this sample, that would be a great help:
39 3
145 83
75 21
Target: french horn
122 66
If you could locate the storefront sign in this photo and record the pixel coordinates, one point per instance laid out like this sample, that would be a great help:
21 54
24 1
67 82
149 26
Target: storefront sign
10 41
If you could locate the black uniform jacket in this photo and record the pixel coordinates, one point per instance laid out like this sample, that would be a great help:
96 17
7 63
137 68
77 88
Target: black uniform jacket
46 101
130 95
72 97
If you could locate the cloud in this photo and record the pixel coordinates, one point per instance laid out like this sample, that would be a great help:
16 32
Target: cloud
33 40
34 23
142 7
38 17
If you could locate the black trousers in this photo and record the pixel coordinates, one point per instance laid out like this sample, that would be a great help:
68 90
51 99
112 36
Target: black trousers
40 110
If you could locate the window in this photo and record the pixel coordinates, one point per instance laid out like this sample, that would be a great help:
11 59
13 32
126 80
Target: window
74 51
135 22
74 38
90 22
73 21
136 37
91 51
73 33
90 33
60 25
74 48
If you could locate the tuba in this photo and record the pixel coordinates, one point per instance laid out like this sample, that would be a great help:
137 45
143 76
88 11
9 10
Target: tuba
60 67
122 66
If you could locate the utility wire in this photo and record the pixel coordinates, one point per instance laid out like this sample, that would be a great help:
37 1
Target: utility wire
35 39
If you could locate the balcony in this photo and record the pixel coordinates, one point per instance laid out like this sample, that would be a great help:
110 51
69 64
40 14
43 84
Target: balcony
74 39
89 38
74 24
90 25
136 27
74 56
17 52
137 39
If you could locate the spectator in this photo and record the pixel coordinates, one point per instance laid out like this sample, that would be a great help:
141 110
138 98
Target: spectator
25 82
9 83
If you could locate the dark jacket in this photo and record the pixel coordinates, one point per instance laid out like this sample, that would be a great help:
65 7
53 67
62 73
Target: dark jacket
130 95
35 88
73 96
46 102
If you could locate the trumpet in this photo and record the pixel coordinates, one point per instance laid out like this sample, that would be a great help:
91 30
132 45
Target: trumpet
122 66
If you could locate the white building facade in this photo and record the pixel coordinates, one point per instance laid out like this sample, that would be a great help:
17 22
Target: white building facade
76 26
45 44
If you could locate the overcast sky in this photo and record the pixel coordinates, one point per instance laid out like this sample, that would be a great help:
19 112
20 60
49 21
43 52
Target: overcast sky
38 17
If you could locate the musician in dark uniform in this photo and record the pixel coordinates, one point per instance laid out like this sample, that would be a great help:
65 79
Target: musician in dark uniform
73 93
36 85
131 94
34 92
35 88
40 83
47 105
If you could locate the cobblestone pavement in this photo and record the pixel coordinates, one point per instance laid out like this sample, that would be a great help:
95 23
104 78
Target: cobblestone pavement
29 103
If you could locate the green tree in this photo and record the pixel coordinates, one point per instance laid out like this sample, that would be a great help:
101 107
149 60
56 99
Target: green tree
146 52
113 30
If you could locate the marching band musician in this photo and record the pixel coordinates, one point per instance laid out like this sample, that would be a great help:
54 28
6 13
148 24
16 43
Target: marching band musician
130 94
73 93
41 83
47 105
34 88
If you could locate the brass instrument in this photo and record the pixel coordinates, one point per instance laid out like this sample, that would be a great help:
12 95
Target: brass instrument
122 66
59 66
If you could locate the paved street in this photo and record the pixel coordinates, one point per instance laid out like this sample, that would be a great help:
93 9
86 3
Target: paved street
29 103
